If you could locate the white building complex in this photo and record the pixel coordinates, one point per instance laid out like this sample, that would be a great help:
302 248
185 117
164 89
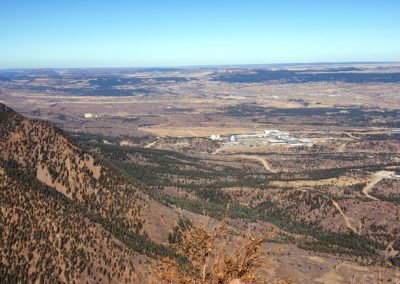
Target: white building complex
274 137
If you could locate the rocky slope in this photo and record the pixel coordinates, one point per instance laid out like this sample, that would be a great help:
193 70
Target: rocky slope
68 215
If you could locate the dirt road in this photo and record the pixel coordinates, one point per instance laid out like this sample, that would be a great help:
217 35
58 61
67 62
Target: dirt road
378 177
352 136
345 218
151 144
264 162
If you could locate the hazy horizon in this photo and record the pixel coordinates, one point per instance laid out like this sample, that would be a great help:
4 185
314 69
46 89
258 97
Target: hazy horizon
277 64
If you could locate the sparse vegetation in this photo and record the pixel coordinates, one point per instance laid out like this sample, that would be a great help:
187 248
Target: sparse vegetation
210 256
102 206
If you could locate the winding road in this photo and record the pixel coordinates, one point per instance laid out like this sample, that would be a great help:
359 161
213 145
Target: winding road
378 177
264 162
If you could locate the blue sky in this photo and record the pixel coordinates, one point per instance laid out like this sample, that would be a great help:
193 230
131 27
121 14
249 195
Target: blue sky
117 33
